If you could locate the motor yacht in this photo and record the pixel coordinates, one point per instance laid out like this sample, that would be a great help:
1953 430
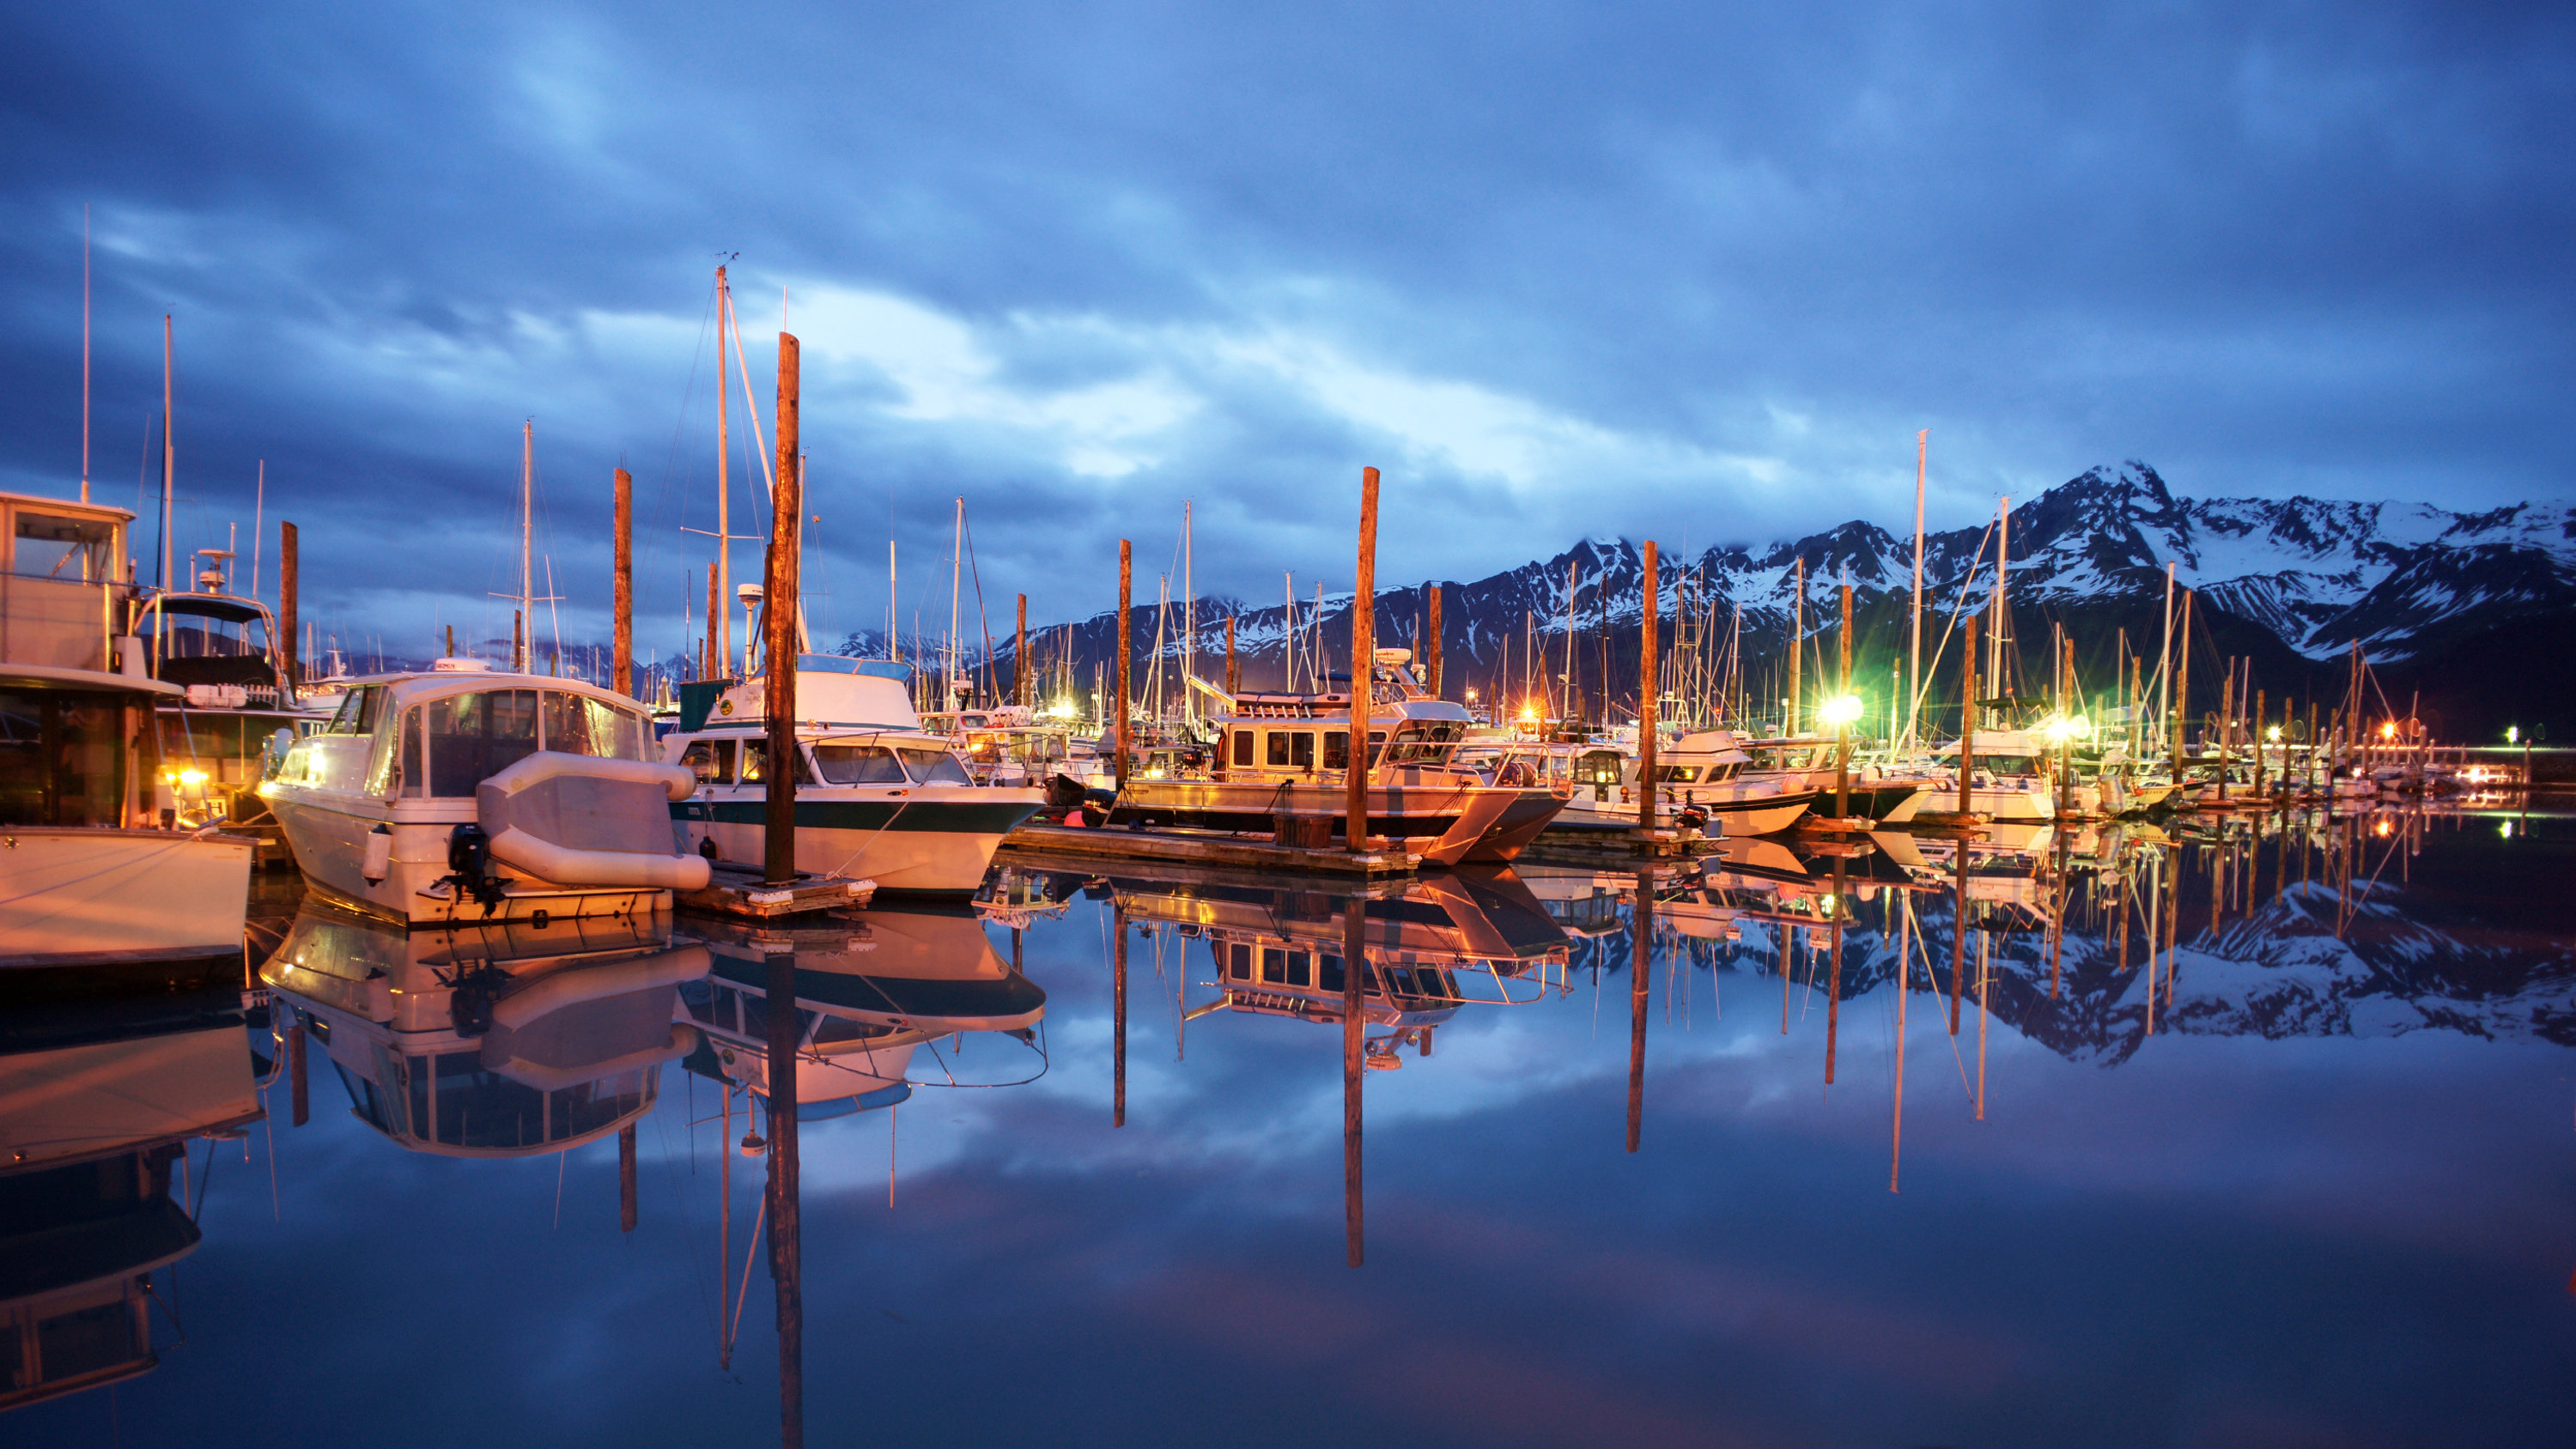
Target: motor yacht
877 796
463 793
219 739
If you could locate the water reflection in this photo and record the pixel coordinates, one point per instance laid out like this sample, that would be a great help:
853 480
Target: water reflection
2145 1035
99 1104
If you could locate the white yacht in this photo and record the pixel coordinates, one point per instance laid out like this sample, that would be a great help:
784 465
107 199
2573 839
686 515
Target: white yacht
1703 781
2014 781
463 794
877 796
218 739
96 879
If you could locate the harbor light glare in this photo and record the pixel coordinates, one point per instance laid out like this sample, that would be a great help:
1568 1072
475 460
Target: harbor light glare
2077 728
1842 711
2388 729
2512 733
192 778
2273 734
1062 709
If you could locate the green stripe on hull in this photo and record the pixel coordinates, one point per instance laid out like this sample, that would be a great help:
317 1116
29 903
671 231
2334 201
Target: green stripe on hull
895 815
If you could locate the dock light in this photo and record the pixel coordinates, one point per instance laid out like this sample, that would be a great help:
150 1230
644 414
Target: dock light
1529 714
192 778
2511 732
2062 730
2273 734
2388 729
1841 711
1063 709
1471 696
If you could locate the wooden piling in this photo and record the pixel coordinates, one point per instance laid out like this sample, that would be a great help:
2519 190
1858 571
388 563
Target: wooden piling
778 615
2182 689
1842 758
1967 740
622 649
1354 1025
451 641
711 664
1797 641
786 1237
288 577
2226 723
1363 668
1233 673
1641 936
1431 640
1649 670
626 1178
1126 586
1020 656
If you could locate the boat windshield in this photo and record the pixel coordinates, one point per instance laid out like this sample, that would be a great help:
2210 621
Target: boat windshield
1427 743
474 736
935 767
857 765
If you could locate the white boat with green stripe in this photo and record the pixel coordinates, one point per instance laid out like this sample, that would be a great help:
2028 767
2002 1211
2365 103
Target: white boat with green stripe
877 796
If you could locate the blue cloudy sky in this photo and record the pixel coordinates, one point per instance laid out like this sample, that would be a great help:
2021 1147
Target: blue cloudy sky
1688 272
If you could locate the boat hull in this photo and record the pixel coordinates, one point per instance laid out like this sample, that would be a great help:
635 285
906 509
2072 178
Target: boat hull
928 840
1503 819
329 838
100 898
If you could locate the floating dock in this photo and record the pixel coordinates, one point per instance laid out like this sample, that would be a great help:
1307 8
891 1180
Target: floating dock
739 891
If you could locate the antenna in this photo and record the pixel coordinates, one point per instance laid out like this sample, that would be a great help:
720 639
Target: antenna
84 352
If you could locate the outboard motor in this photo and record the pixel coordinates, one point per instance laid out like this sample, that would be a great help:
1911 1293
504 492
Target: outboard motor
469 864
1691 817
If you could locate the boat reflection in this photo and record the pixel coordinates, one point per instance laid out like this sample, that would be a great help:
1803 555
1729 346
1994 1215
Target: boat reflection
869 994
97 1109
507 1039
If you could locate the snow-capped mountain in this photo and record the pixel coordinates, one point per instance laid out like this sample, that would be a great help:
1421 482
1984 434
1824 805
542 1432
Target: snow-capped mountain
2453 597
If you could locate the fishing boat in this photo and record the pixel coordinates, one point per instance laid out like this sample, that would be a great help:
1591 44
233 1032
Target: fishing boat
96 880
1704 781
217 741
1280 767
877 796
506 1039
463 793
2012 778
1876 794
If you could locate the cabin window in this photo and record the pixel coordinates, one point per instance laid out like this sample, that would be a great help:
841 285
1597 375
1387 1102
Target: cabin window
1274 965
359 710
1300 967
1277 741
1677 774
1337 749
1243 747
710 760
858 765
1239 962
54 547
755 764
1399 981
62 757
579 725
1329 973
1428 743
935 767
841 1028
410 767
472 737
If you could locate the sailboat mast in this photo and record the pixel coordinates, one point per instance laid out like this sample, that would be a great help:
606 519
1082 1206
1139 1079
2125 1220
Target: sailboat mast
724 492
956 574
169 452
2003 564
84 354
527 517
891 651
1189 623
1914 667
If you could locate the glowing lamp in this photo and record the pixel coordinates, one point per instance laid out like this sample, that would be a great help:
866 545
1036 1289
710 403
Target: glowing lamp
2512 733
2273 734
2388 730
192 778
1841 711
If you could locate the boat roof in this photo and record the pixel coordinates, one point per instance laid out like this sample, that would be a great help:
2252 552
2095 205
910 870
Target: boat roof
227 607
48 676
70 505
417 684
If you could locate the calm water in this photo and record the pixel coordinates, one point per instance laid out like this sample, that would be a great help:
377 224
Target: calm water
2328 1195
